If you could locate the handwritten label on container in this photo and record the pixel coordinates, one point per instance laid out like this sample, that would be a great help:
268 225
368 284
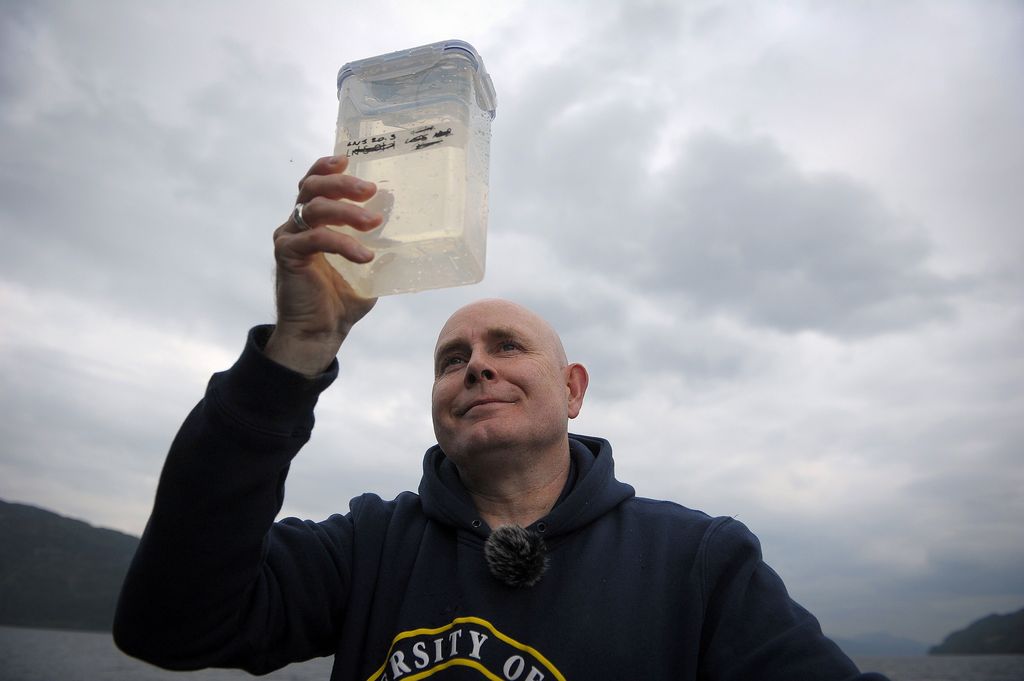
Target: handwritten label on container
405 141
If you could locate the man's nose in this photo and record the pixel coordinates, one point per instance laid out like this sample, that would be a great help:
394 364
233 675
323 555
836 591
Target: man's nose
478 369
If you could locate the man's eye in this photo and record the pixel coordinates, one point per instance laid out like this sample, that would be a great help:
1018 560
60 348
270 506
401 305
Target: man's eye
447 362
508 346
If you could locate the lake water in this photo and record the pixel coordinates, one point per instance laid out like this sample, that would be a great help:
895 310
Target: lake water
50 655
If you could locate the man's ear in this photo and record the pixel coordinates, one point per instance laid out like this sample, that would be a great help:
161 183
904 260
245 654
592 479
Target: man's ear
577 380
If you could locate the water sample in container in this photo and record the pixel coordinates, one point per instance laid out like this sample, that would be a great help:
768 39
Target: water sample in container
417 123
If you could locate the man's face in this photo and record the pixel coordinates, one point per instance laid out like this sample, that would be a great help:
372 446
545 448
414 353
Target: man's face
501 380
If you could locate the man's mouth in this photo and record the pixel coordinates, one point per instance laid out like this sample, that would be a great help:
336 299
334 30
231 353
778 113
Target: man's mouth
477 403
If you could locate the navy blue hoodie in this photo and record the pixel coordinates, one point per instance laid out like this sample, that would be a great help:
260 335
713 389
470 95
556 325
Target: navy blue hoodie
635 588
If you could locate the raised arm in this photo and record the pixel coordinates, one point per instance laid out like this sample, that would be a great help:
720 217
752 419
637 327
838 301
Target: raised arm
215 582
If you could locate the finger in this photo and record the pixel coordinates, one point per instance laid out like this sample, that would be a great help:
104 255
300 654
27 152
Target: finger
305 244
326 166
335 186
321 211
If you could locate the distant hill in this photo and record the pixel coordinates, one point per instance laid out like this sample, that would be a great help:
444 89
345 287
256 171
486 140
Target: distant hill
992 635
880 644
60 573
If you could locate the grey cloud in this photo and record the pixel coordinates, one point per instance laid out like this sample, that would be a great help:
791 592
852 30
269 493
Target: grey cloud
976 495
784 249
733 225
105 190
621 358
828 571
79 402
974 576
82 436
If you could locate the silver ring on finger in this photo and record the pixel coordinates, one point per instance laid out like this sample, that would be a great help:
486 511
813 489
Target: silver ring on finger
297 217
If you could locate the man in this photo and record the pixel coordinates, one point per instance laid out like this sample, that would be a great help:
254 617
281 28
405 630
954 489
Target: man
521 558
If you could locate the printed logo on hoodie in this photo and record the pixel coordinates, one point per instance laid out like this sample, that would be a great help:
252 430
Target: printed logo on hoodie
467 642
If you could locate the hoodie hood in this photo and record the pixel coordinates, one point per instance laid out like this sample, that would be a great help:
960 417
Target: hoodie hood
591 491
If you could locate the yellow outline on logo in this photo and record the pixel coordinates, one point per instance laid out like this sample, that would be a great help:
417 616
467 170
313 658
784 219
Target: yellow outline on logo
460 661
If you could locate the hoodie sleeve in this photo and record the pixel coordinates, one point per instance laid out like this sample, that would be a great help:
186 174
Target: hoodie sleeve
753 630
215 582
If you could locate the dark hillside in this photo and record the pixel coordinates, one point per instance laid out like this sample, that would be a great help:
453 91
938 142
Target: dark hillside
991 635
58 572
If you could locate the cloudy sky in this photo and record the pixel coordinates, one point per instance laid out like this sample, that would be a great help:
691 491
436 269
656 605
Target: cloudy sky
784 237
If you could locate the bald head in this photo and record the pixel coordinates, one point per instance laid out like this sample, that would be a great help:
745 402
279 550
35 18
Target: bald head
501 313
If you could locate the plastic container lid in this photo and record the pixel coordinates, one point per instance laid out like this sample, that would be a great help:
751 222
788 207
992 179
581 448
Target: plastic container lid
425 56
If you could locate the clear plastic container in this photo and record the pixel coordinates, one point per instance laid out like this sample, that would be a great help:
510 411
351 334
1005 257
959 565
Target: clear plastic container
418 124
